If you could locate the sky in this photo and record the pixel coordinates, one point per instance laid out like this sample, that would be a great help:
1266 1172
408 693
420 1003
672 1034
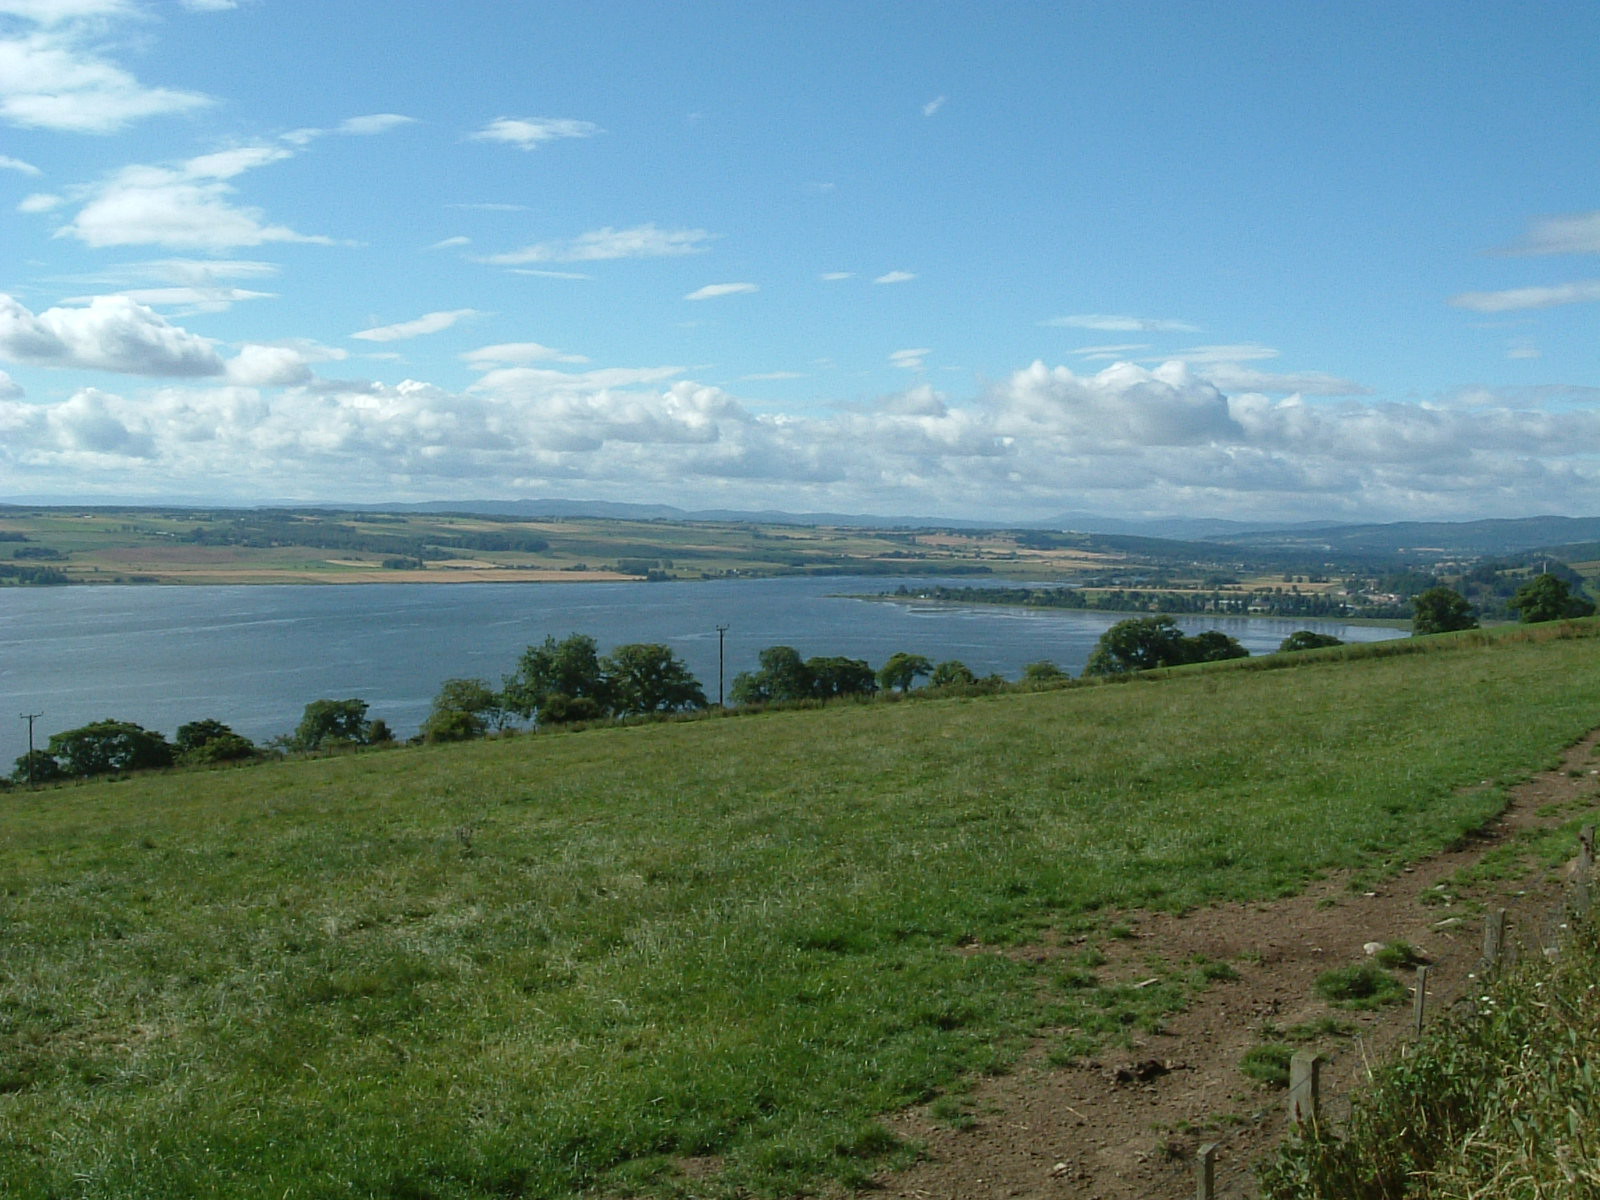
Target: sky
1000 261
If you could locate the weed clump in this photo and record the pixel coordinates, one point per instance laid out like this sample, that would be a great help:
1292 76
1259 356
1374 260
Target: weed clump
1268 1064
1362 987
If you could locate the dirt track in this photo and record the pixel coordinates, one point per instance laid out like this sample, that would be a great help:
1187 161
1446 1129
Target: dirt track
1078 1132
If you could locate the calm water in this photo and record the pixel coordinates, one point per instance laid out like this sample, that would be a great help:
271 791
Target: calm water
254 656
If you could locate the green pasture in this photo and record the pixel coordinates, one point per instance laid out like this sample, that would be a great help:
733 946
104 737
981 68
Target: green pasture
696 958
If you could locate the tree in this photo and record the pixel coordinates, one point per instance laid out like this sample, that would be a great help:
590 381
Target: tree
1305 639
781 677
1441 610
570 667
37 766
463 709
646 677
211 741
1137 644
1212 645
108 747
952 673
1043 671
1547 597
836 676
902 671
327 723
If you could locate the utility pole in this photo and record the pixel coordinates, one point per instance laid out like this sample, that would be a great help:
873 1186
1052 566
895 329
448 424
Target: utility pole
722 633
30 718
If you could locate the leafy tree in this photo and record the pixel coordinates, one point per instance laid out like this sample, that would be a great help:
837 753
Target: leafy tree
1043 671
463 709
834 676
782 676
951 673
328 723
568 710
646 677
1441 610
211 741
107 747
1137 644
39 767
1305 639
1143 643
570 667
1548 598
1212 645
902 671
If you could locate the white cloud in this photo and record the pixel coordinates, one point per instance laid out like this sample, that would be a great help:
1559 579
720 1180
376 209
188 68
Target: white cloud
268 366
450 243
550 274
1516 299
210 5
188 300
1575 233
712 290
8 163
1128 438
772 376
111 333
528 133
895 277
184 207
40 202
911 360
641 241
933 106
1239 352
10 389
1233 378
486 358
1121 324
374 124
433 322
835 276
55 78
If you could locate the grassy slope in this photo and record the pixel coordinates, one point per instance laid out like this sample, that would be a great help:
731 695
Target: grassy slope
559 962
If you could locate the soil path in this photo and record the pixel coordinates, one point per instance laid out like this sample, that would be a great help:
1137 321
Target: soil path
1127 1127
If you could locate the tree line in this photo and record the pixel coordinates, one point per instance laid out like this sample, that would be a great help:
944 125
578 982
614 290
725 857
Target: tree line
568 682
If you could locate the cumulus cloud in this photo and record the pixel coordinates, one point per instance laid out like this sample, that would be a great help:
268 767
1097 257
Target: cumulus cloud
1517 299
110 333
641 241
1127 438
895 277
1575 233
1121 324
10 389
55 76
712 290
433 322
187 207
528 133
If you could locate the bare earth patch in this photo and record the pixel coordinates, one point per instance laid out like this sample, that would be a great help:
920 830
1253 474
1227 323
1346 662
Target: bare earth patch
1127 1125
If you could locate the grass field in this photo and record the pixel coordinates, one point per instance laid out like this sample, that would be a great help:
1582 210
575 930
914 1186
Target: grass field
615 960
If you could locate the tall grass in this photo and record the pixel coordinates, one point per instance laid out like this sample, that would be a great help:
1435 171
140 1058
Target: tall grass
546 965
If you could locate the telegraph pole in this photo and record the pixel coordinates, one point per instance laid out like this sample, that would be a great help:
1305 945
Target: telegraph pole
722 633
30 718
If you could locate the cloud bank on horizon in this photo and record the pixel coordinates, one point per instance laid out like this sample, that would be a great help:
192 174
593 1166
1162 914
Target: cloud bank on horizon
783 276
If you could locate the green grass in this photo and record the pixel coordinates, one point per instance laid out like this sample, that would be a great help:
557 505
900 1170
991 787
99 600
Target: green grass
553 964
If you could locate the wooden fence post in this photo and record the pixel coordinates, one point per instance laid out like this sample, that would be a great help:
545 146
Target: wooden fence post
1420 1004
1205 1172
1494 938
1580 885
1305 1088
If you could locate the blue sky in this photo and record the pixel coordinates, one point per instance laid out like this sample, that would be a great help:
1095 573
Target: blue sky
1265 261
